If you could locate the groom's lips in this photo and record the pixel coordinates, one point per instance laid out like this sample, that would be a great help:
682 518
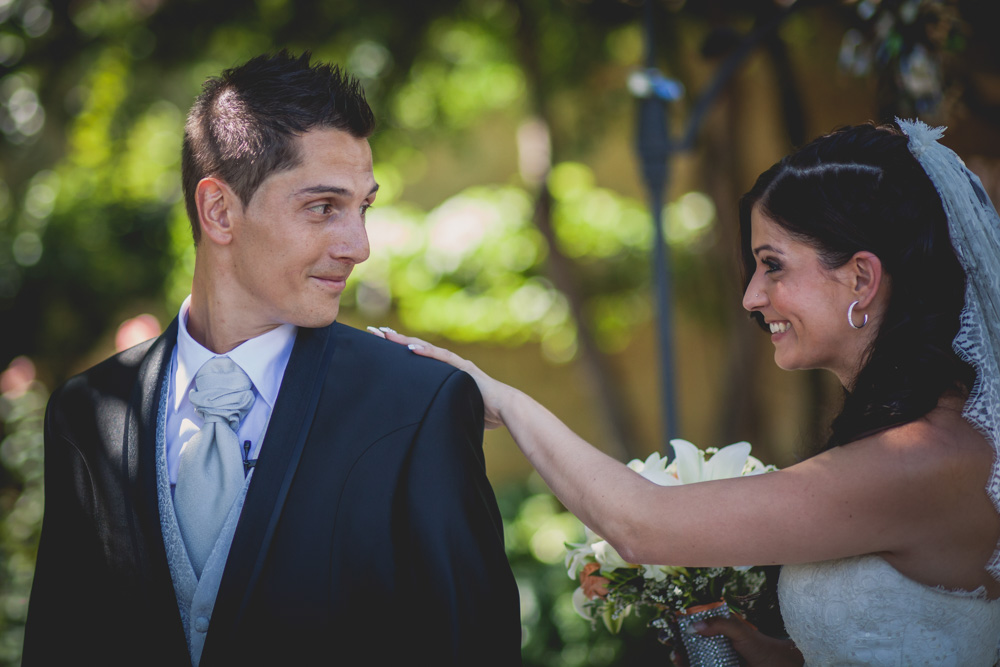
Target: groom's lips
335 282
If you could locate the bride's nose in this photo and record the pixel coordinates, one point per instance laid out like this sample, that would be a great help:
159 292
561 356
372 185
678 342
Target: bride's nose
754 298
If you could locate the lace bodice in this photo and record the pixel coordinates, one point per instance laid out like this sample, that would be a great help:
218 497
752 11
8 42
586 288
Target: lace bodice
862 611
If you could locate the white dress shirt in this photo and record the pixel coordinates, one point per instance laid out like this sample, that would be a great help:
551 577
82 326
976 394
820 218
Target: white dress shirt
263 359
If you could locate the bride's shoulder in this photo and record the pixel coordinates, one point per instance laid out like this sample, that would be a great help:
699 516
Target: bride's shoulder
941 442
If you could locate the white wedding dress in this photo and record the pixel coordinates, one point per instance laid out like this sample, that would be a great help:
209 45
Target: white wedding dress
862 611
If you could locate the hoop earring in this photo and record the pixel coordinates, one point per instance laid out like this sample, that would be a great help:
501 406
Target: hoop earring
850 317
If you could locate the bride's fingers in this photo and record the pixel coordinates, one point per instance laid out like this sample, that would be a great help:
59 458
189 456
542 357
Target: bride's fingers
425 349
735 627
395 337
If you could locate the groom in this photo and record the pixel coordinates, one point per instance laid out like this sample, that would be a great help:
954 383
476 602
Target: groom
261 485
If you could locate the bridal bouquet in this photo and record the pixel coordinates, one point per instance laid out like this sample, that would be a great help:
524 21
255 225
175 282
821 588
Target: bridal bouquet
611 588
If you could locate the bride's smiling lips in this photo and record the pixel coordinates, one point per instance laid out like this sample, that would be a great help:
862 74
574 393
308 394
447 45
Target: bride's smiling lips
779 326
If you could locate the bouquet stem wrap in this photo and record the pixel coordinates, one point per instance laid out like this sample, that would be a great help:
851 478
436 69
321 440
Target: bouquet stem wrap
704 651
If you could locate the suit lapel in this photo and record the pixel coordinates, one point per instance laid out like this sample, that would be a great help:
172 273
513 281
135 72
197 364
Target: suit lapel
140 445
139 469
286 434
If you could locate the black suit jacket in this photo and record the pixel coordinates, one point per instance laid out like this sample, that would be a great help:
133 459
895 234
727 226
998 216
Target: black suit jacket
369 535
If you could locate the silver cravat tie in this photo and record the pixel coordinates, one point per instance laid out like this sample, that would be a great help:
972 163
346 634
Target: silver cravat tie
210 470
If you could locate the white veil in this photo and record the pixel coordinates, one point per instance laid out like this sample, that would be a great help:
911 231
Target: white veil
974 227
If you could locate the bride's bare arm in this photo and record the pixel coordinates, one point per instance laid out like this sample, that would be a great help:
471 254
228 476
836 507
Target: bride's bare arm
883 497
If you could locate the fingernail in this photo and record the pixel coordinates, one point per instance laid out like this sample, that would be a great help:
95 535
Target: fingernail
386 330
374 330
696 627
414 346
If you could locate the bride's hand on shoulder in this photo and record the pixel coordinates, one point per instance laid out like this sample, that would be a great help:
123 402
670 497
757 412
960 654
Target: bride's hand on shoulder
495 393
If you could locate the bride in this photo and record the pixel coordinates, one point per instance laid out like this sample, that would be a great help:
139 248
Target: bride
873 253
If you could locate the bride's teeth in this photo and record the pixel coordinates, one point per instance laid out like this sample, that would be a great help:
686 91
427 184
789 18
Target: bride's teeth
779 327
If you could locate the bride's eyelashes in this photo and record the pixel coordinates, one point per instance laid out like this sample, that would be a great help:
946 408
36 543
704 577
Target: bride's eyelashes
771 265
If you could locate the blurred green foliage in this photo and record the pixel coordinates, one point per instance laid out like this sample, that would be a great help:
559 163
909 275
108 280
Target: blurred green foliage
22 412
472 269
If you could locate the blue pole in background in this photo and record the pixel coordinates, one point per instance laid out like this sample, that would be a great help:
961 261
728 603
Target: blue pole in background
654 147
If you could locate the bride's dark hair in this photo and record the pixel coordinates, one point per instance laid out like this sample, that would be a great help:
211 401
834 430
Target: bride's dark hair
857 189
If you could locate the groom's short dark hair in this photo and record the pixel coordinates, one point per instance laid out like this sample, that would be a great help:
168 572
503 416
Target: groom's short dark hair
242 127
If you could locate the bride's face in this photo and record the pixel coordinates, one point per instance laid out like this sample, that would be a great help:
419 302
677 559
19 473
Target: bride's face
804 303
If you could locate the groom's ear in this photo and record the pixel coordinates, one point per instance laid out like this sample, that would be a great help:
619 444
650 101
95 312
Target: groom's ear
218 209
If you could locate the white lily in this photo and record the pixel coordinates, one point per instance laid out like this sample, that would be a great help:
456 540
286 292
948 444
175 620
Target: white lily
661 572
595 548
690 465
580 604
608 557
755 466
579 554
655 469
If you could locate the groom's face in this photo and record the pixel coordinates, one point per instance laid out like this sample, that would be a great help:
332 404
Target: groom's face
298 239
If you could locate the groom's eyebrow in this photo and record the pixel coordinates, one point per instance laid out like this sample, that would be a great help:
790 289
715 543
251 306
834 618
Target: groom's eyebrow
331 190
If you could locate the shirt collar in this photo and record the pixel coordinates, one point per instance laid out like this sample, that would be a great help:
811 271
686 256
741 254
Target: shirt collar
263 358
